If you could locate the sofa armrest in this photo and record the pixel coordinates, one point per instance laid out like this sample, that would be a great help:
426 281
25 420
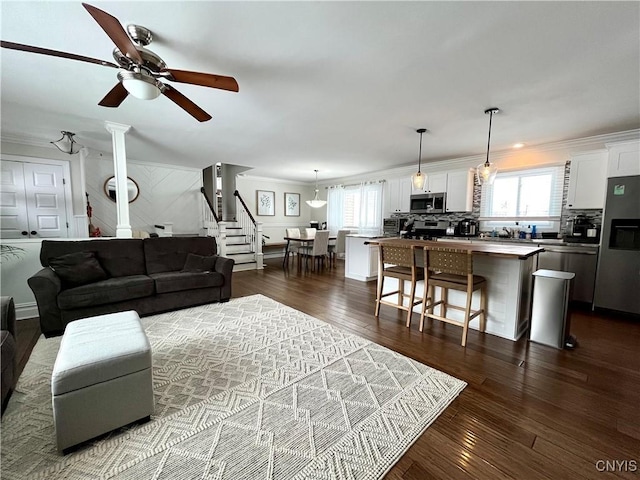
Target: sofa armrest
8 315
224 266
46 286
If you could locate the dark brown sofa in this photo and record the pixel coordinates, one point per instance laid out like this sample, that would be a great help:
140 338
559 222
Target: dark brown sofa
8 349
148 275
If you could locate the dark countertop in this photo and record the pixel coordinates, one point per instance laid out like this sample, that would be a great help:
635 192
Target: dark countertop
536 241
495 249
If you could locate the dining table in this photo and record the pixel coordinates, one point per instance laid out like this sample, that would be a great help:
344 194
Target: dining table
305 240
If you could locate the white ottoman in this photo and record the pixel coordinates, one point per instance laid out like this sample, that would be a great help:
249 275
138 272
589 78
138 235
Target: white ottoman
101 378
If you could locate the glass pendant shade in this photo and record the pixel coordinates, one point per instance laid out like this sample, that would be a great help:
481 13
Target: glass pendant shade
418 180
486 172
316 202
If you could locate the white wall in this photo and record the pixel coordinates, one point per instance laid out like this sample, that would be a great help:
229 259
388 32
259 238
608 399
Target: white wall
14 273
168 193
274 226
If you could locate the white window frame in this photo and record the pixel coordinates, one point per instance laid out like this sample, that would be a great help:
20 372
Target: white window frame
549 222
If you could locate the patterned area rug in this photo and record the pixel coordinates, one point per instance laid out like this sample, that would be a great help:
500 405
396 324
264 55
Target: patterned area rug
250 389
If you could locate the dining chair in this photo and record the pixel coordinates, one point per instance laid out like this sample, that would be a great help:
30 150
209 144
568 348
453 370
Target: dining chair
398 261
310 232
318 250
339 246
292 245
452 268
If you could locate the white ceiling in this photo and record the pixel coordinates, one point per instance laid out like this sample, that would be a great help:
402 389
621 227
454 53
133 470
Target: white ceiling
337 86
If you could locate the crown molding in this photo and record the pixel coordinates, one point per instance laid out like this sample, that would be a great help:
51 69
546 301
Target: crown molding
275 180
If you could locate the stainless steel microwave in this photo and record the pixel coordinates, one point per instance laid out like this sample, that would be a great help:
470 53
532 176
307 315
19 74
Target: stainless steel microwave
428 203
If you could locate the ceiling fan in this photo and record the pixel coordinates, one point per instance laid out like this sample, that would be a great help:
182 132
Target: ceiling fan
140 70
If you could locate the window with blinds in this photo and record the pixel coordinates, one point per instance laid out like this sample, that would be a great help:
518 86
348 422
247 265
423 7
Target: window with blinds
532 194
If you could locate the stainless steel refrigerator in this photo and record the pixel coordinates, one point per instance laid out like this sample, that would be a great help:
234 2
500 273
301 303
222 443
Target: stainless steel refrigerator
618 277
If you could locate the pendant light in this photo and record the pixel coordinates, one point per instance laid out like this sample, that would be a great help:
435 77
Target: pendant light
418 179
486 172
316 203
67 143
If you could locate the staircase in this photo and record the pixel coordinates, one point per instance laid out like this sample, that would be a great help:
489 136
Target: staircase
239 248
240 240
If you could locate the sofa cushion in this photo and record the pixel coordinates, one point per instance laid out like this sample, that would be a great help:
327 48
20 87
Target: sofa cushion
111 290
79 268
119 257
199 263
178 281
168 254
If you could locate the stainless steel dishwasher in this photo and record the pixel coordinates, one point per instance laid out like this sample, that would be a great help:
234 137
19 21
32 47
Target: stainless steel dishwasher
581 259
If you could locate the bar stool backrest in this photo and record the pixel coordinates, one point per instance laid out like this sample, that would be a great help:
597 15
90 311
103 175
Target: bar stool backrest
453 261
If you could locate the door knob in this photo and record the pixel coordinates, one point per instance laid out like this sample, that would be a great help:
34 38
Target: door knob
24 232
33 232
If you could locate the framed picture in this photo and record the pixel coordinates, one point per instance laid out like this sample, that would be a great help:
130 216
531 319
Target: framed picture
291 204
266 202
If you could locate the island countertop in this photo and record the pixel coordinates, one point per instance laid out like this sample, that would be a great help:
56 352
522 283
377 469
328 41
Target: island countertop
491 249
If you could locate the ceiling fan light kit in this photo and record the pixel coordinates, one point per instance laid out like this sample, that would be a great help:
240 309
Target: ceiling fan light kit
140 68
140 85
487 171
316 202
67 144
418 179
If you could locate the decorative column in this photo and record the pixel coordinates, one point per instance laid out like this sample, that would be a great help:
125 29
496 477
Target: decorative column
117 130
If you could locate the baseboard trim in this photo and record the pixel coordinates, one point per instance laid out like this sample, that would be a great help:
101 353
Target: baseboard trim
26 310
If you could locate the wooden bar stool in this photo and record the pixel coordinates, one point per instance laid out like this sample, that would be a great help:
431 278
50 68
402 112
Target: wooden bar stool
398 261
452 268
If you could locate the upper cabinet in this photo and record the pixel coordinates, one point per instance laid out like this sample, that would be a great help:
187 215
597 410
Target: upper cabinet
587 180
624 159
398 196
459 188
436 183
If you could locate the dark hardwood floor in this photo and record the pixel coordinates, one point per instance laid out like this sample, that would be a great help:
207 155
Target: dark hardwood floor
528 412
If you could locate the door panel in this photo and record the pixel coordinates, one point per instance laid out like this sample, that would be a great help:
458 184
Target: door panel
13 204
44 188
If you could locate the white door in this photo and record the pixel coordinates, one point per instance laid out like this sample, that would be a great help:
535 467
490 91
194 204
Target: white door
13 202
36 206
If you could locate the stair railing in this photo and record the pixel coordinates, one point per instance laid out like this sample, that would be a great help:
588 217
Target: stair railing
251 229
212 223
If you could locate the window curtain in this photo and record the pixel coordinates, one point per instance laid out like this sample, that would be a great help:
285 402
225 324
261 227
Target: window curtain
335 201
370 217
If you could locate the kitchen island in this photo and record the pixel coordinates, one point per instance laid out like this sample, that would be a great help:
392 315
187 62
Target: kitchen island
508 270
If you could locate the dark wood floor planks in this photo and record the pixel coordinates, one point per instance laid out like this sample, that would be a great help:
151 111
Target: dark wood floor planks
529 411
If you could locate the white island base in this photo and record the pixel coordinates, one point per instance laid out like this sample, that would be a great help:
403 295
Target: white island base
509 289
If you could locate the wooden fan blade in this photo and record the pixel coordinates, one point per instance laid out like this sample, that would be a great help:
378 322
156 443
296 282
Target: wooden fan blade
186 104
203 79
112 27
115 96
54 53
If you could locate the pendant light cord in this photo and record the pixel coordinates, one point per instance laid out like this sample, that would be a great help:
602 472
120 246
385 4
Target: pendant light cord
489 139
420 153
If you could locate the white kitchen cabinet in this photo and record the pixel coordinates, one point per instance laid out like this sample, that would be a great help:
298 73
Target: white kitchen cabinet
624 159
436 183
398 195
587 180
459 191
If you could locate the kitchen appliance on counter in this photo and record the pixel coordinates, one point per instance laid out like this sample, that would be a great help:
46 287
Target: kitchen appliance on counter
467 227
580 229
427 203
427 230
391 227
618 278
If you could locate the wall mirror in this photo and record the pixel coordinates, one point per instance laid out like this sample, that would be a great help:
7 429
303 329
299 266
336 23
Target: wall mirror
132 189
